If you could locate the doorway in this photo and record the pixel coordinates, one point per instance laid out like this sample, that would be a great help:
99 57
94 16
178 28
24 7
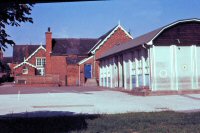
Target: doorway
88 71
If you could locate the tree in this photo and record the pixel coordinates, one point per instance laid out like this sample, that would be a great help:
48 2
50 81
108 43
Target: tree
12 13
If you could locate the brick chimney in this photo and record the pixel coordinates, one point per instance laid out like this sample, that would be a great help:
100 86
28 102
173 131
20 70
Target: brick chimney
48 50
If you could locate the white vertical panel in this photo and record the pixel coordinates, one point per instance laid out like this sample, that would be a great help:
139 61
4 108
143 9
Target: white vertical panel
173 68
107 72
111 72
128 70
184 67
103 72
120 63
100 75
150 68
124 71
136 67
195 67
198 65
143 66
162 67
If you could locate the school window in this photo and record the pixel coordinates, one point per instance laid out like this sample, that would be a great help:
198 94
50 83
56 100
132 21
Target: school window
147 65
25 70
40 62
134 65
140 64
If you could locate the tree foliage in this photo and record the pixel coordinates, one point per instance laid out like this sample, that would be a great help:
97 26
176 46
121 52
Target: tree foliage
12 14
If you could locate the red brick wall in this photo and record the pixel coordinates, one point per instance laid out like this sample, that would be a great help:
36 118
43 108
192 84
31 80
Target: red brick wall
40 53
72 74
48 68
69 73
48 79
32 60
58 67
118 37
18 71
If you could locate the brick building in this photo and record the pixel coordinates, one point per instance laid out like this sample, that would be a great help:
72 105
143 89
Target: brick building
166 59
63 61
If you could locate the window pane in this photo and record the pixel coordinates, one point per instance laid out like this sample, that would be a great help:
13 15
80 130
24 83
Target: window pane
147 79
134 65
133 81
25 70
140 80
43 62
38 63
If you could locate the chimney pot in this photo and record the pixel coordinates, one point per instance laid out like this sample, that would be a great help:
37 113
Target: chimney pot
49 29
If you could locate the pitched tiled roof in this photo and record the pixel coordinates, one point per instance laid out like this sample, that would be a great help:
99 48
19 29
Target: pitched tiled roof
144 39
101 38
74 60
133 43
68 46
23 51
107 35
63 46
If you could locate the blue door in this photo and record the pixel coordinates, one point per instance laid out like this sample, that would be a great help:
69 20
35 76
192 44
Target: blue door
88 71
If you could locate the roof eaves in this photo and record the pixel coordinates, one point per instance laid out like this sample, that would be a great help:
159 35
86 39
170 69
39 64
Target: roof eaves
109 35
84 60
40 47
94 46
125 32
105 39
149 41
107 55
23 64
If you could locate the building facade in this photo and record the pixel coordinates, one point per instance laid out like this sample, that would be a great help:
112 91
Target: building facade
166 59
63 61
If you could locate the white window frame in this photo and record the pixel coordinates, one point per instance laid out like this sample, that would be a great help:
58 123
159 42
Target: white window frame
41 65
42 61
25 70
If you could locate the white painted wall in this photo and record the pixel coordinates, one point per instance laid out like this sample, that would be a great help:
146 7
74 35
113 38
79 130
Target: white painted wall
175 67
130 67
197 69
120 63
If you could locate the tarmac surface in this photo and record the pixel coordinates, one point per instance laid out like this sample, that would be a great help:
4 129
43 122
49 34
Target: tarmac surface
88 100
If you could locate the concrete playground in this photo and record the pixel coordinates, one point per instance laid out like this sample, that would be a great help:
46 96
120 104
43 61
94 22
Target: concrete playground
90 101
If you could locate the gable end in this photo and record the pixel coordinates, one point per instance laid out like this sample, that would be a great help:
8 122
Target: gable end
108 36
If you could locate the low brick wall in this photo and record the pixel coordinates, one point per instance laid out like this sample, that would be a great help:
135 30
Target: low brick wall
47 80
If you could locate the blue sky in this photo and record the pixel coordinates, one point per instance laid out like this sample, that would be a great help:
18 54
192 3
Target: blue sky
93 19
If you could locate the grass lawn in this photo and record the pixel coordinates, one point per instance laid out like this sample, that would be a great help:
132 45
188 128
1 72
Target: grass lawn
155 122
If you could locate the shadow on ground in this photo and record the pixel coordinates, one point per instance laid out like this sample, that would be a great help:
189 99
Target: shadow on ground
44 122
67 122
